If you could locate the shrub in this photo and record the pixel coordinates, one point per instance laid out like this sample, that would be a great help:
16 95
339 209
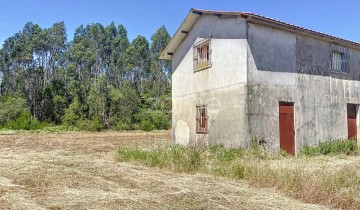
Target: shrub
72 114
24 122
153 120
70 118
122 126
59 103
11 107
146 125
89 125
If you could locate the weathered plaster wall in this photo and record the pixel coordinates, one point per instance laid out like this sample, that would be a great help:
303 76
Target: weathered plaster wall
226 112
314 57
319 95
272 50
222 87
224 27
254 68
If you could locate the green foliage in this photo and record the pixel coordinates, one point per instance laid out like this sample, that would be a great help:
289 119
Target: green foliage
59 106
125 103
97 77
151 120
72 114
336 147
123 126
257 148
178 158
226 155
146 125
89 125
238 171
12 106
223 161
24 122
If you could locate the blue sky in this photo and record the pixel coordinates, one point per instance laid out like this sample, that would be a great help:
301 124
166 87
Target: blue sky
335 17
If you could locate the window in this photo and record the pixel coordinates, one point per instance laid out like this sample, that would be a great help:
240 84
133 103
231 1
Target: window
201 119
340 60
202 55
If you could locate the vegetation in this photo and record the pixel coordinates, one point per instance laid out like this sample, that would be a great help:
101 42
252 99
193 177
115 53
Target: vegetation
336 147
338 187
99 80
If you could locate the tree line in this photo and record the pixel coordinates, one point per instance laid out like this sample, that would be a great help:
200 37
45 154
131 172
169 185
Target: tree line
99 80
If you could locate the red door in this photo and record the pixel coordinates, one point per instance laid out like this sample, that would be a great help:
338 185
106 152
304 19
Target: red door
351 121
287 129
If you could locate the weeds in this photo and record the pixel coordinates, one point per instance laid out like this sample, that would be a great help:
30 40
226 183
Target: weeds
336 147
177 158
337 188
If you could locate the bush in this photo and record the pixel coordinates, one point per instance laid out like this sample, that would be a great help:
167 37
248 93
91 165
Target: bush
122 126
336 147
146 125
153 120
11 107
90 125
24 122
72 114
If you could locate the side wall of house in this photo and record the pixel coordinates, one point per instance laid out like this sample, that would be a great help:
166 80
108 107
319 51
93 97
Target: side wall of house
222 87
285 67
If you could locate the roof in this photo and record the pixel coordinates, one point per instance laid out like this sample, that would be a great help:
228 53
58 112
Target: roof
194 14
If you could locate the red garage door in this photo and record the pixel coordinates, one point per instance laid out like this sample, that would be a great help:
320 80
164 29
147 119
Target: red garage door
287 130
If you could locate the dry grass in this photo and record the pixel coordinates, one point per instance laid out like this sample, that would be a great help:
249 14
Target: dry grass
79 171
333 181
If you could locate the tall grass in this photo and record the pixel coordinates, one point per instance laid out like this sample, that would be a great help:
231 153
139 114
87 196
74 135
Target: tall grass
335 147
335 188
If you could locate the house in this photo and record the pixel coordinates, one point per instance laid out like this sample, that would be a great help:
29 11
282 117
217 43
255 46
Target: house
238 75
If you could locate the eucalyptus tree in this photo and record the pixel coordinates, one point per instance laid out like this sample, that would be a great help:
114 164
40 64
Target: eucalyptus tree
137 59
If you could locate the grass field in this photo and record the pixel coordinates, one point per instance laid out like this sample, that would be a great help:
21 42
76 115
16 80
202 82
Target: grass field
81 171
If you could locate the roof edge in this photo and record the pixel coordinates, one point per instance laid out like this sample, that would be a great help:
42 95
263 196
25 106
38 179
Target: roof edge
166 54
194 14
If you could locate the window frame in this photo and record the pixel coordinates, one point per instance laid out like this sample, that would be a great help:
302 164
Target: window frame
340 60
202 55
201 119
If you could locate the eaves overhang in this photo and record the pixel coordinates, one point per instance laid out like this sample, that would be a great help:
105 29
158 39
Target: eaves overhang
180 34
194 15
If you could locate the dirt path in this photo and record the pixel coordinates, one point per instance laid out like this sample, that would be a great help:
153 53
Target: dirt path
79 171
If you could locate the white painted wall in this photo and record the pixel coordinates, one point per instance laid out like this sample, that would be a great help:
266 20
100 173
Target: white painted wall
229 67
222 86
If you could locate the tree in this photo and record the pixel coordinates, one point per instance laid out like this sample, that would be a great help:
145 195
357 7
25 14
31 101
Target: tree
160 69
99 79
12 106
137 57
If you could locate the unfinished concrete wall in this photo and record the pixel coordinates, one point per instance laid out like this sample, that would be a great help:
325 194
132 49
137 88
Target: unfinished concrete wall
222 87
302 76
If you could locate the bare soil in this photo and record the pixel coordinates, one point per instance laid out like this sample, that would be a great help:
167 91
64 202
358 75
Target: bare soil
80 171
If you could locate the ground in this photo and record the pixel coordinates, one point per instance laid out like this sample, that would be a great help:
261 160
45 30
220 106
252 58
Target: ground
80 171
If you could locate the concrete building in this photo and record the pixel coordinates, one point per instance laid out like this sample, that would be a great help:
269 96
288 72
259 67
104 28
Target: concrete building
240 75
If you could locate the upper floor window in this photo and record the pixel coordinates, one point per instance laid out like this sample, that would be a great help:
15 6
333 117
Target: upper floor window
202 55
340 60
